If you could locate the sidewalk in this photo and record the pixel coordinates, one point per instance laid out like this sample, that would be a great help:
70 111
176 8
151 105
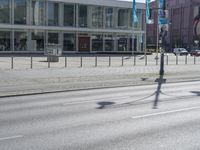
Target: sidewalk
36 81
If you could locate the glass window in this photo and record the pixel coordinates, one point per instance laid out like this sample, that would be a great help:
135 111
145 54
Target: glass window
69 17
53 38
20 12
20 41
97 42
97 17
38 13
5 41
109 17
69 42
4 11
122 18
82 17
37 41
109 43
53 11
122 43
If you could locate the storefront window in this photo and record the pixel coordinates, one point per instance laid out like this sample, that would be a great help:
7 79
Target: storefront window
20 41
82 16
37 41
53 11
38 13
69 17
4 11
122 18
20 12
69 42
97 17
53 38
5 41
97 42
122 43
109 18
109 43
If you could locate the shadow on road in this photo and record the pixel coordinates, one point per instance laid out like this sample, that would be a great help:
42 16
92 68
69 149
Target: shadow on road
160 81
196 92
103 105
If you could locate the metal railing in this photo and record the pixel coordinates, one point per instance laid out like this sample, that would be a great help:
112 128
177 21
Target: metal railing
94 61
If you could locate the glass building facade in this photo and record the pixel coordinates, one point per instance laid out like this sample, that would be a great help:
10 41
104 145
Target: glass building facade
29 25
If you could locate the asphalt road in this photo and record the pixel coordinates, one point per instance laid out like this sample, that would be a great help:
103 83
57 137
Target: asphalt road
104 119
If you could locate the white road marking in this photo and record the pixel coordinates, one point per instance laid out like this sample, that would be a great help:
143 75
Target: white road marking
165 112
11 137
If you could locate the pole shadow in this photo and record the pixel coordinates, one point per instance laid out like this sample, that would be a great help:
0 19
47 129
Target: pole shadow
160 81
103 105
196 92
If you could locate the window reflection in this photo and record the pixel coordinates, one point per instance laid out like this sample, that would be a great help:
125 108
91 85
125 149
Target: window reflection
38 13
109 43
4 11
20 41
20 12
109 18
122 18
37 41
122 43
53 38
97 17
82 16
69 18
5 41
53 14
97 42
69 42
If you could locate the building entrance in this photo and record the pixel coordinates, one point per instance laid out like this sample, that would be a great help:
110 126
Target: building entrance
84 44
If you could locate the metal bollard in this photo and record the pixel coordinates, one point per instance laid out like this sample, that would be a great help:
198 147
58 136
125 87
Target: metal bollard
31 62
145 60
167 60
194 60
65 62
134 60
186 59
109 61
12 63
81 62
95 61
122 60
49 65
176 60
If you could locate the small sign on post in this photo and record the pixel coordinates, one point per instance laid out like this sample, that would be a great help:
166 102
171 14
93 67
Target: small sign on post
53 51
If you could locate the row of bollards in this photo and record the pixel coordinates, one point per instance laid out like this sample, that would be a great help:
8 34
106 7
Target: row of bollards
109 61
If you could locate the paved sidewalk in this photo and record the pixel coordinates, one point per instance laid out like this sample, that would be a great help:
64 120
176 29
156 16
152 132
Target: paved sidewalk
27 81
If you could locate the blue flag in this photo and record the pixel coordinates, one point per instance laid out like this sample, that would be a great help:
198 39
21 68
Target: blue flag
147 12
162 18
135 18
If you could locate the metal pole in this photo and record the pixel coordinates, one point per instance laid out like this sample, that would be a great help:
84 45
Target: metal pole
134 60
81 62
31 62
12 61
95 61
145 60
186 59
194 60
65 62
157 40
167 60
122 60
48 61
162 63
109 61
176 59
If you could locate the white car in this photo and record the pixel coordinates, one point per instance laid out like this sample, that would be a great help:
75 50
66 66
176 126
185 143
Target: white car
180 51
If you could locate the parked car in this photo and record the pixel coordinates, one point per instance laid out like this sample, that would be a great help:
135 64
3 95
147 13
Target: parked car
195 52
180 51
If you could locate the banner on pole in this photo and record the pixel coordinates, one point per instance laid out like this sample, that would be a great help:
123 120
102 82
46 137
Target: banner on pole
162 13
134 15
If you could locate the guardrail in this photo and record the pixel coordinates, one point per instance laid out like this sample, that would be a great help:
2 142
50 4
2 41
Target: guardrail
93 61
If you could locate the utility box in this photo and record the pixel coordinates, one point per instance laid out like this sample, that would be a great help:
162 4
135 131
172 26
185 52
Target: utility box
53 51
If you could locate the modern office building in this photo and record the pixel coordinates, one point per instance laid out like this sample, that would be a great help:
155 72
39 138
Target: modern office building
89 26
